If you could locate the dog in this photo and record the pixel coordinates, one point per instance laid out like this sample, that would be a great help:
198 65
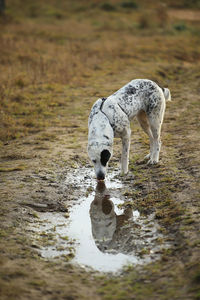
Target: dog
110 117
107 225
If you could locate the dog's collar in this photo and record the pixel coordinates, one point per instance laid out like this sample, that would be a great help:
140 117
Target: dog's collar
102 103
101 107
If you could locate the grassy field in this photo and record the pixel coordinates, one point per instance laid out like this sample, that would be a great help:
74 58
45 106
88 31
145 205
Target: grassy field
56 59
49 51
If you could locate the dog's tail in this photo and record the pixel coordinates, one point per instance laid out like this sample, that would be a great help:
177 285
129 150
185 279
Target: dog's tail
167 94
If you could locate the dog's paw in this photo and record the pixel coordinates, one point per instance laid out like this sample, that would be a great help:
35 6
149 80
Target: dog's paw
152 162
122 174
143 161
147 157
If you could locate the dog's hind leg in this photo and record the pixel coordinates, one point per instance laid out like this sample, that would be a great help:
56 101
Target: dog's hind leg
125 150
155 122
144 123
155 128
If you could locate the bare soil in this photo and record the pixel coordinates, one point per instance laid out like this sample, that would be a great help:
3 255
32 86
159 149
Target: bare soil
34 173
35 165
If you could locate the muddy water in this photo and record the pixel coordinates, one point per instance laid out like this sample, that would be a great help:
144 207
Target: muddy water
98 232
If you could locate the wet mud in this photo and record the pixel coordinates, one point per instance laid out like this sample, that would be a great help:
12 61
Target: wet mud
98 231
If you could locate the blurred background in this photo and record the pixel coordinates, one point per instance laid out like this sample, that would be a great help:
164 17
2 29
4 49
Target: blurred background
61 55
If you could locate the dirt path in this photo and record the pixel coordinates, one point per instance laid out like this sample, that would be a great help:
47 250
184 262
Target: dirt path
32 173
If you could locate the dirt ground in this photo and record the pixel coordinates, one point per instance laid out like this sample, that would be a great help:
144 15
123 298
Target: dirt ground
44 136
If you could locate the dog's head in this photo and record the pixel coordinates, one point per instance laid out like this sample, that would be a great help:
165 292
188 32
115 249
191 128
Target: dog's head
100 142
100 157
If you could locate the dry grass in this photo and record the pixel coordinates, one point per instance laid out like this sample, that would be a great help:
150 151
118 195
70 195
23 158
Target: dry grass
47 50
56 59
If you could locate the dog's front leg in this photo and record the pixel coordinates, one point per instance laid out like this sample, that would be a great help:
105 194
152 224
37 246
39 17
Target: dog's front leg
125 150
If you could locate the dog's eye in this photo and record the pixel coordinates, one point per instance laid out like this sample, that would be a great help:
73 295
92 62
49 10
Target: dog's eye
94 161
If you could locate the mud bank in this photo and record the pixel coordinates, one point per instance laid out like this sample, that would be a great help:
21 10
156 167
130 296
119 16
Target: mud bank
97 232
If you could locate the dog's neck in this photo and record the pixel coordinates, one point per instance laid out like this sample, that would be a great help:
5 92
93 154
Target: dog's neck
101 109
103 133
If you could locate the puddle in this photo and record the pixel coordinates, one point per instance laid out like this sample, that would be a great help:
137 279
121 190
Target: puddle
98 233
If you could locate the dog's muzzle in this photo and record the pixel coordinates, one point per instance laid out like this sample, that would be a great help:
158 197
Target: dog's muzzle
100 176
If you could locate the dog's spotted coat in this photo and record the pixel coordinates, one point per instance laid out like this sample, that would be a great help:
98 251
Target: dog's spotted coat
110 117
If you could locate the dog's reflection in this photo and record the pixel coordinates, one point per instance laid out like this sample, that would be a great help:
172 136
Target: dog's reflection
105 222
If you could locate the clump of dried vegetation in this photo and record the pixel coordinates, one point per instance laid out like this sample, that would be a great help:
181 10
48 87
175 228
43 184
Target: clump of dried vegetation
49 47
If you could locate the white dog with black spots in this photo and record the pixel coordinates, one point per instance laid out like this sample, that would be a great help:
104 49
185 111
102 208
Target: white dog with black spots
110 117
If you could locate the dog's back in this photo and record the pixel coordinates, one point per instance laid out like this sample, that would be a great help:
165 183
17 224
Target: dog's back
137 95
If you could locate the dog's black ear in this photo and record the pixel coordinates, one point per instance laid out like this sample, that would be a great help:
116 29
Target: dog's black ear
105 156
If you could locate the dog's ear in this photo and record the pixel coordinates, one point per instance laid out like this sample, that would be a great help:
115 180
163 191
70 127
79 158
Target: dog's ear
105 156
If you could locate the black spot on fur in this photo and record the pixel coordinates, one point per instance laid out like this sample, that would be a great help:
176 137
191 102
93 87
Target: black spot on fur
105 156
141 85
106 137
130 90
152 104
